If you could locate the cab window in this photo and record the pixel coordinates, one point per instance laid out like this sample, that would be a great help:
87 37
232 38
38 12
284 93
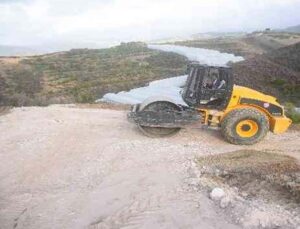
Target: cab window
213 87
213 80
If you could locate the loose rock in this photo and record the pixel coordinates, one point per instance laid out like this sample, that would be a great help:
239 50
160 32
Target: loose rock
217 194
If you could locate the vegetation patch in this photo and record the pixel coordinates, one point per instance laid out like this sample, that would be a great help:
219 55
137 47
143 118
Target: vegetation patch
84 75
272 177
292 113
290 91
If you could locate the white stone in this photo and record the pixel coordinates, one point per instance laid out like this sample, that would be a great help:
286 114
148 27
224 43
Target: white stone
217 194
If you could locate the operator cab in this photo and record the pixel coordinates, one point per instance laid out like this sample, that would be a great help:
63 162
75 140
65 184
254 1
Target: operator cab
208 87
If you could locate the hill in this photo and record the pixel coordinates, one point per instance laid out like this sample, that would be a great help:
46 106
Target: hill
288 56
247 45
83 75
293 29
276 73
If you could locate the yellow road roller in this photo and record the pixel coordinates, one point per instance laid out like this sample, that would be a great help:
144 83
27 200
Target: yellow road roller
210 98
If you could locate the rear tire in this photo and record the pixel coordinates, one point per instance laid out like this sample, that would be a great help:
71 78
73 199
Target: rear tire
155 132
245 126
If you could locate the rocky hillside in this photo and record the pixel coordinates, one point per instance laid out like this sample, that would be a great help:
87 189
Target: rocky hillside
276 73
288 56
83 75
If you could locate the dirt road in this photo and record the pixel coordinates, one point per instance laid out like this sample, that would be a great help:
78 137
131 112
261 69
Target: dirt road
66 167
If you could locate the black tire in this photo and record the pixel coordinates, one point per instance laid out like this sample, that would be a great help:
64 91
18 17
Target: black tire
232 121
155 132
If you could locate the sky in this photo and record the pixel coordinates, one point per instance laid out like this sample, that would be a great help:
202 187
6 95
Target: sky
107 22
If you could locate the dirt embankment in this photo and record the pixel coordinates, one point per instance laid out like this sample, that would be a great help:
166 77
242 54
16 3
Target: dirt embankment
258 177
268 77
276 73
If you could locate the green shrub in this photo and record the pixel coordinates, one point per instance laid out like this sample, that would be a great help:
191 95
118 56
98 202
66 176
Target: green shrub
278 82
292 113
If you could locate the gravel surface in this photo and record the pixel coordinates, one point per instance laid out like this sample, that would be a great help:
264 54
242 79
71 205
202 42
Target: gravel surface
68 167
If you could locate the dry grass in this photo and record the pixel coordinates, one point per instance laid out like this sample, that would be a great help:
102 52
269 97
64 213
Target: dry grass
11 60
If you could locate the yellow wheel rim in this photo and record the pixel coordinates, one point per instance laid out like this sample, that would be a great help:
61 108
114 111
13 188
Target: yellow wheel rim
247 128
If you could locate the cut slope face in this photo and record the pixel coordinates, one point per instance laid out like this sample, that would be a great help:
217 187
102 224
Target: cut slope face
255 172
276 73
263 187
288 56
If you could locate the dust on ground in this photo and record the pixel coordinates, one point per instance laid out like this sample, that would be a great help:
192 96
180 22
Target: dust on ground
75 167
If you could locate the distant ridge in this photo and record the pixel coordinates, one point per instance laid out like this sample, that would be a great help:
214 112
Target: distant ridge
7 50
293 29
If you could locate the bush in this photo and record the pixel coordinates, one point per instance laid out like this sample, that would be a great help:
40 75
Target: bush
25 80
278 82
292 113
